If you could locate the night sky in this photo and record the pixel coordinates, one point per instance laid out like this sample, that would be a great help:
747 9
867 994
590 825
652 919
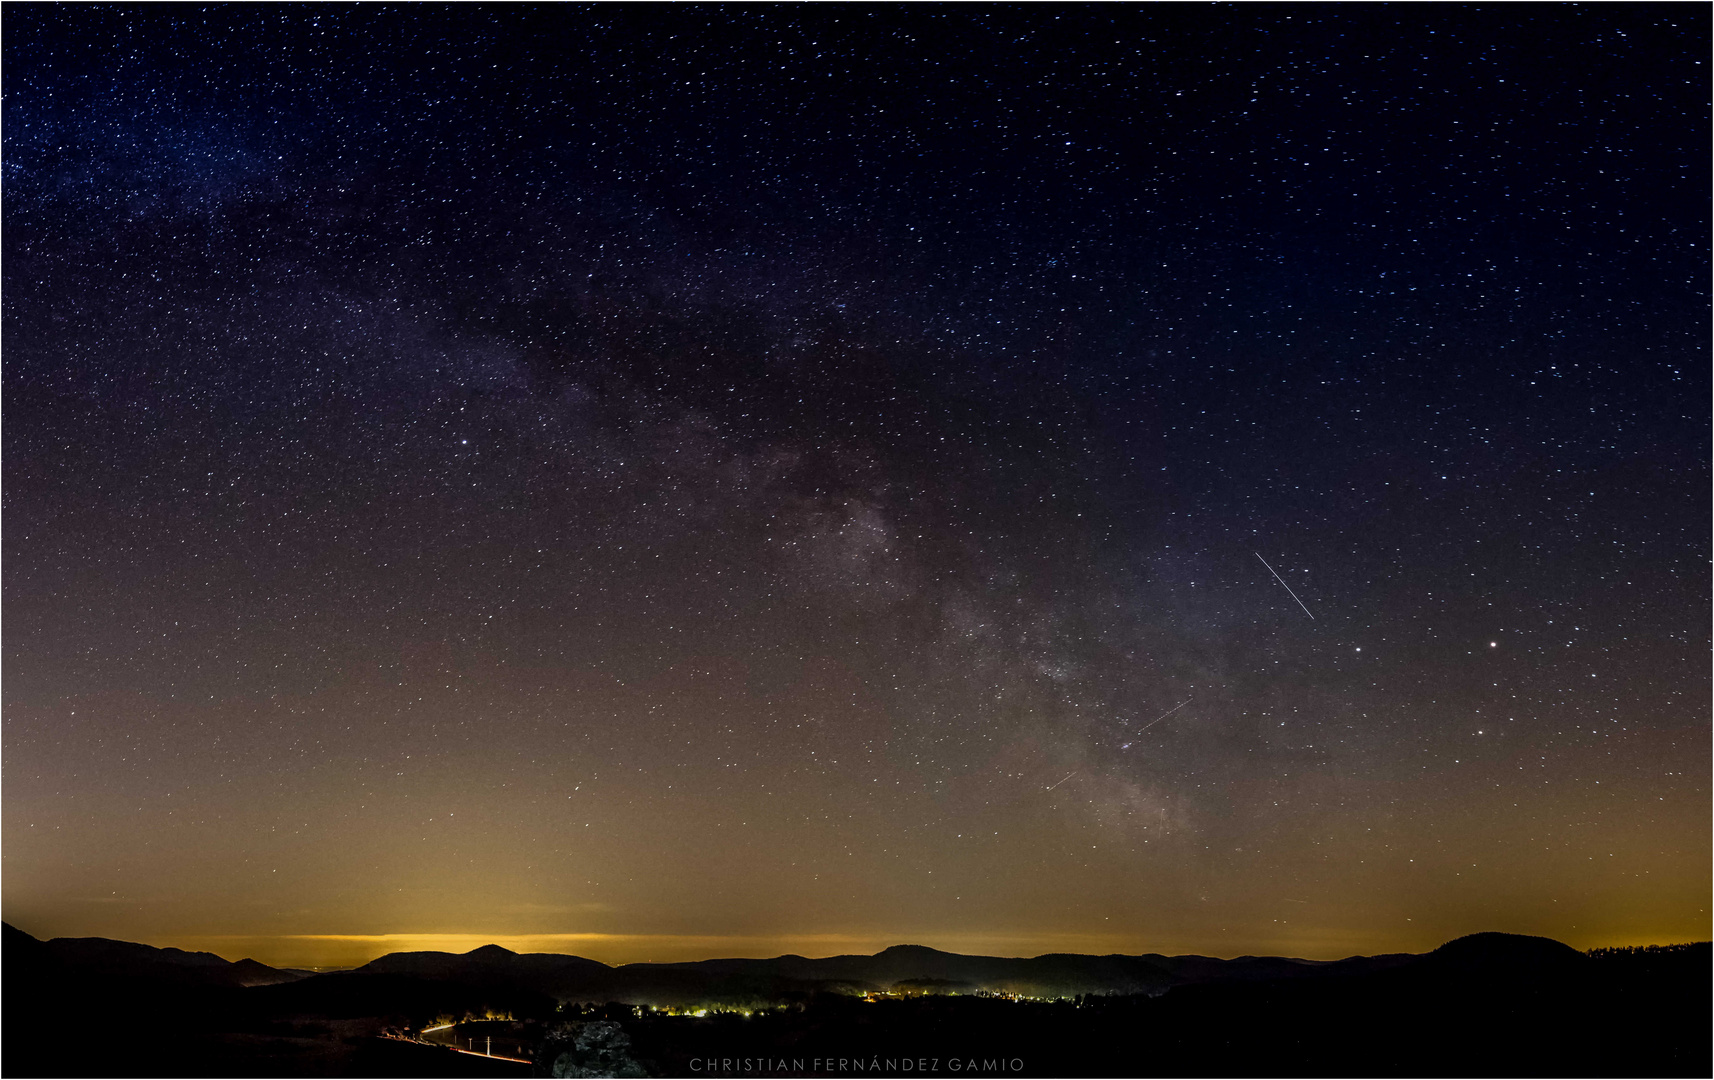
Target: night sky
661 482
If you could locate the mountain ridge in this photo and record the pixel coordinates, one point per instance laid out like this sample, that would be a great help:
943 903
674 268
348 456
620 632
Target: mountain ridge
567 977
136 960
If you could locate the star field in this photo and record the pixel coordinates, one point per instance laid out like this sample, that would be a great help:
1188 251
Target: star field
692 481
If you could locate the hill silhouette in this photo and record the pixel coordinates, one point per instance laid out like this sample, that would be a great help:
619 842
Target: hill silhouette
106 958
1052 975
1511 955
1486 1004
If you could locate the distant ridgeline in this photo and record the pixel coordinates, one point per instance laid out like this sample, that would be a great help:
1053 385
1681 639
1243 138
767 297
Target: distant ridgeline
1486 1004
1619 952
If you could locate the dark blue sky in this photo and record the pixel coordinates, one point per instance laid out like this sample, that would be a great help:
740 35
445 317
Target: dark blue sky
809 434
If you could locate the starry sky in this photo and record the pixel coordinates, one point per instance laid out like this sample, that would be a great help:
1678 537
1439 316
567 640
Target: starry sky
683 481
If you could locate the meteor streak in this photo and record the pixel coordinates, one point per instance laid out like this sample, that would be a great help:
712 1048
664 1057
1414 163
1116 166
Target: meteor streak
1281 580
1163 716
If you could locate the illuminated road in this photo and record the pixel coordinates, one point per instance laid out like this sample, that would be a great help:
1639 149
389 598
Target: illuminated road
456 1049
490 1057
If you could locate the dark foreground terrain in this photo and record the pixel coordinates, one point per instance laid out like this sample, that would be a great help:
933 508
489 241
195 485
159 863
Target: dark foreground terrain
1485 1005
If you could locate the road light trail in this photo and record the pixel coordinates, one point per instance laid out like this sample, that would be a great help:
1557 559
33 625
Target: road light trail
490 1057
1281 580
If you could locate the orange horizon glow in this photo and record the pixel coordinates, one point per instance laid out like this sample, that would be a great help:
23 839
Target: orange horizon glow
341 951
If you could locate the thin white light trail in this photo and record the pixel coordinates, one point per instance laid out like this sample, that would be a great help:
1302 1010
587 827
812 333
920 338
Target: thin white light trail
1062 779
1281 580
1164 715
